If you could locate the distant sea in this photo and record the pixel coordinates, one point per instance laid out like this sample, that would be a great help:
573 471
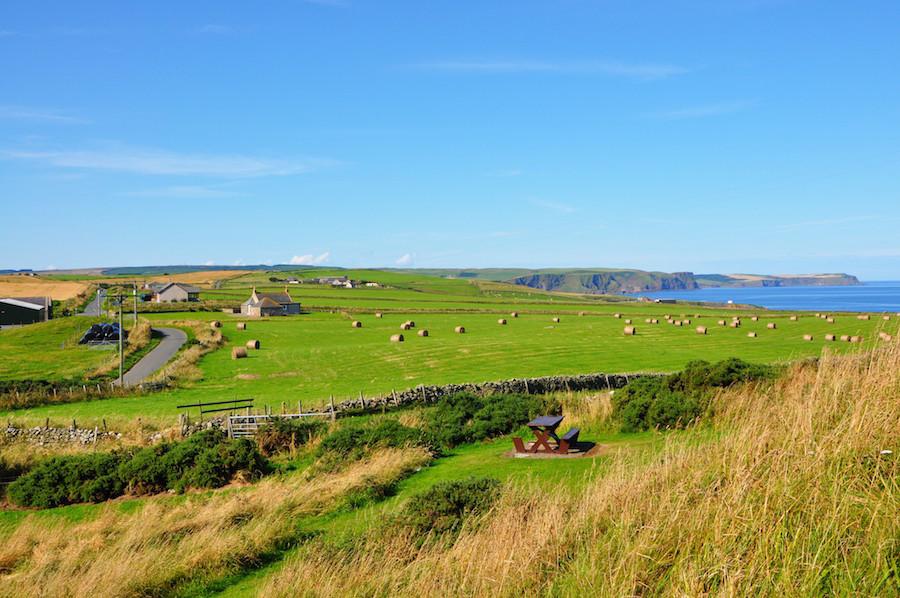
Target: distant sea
870 296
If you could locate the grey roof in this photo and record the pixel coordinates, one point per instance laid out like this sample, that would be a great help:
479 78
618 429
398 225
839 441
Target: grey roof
185 287
23 302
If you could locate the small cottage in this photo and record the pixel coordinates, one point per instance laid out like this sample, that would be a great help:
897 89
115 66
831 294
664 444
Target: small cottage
270 304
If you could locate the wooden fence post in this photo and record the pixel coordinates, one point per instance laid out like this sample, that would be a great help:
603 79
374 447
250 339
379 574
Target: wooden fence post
332 408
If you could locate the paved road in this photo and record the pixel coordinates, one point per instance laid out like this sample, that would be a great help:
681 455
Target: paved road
172 340
93 308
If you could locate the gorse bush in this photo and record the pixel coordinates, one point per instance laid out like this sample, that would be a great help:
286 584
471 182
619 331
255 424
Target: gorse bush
447 505
676 400
282 434
466 417
205 460
353 441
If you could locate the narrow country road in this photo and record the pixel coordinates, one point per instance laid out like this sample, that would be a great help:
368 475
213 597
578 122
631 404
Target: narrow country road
172 340
93 308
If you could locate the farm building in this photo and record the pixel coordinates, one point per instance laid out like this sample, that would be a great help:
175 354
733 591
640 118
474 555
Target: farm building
16 311
270 304
174 292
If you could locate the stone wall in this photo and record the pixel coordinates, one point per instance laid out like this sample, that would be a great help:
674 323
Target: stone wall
44 436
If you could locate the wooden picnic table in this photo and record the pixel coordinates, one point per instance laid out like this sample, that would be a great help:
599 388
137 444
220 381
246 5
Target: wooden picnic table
544 428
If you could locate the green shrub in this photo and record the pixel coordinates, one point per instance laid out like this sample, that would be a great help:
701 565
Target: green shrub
353 441
282 434
676 400
465 417
205 460
447 505
64 480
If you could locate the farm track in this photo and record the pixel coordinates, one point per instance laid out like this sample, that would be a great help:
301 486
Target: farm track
173 339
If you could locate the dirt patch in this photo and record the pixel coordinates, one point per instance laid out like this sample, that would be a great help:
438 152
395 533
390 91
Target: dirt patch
33 286
247 376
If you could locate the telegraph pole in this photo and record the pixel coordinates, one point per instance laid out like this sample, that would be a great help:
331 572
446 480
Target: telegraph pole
121 343
134 294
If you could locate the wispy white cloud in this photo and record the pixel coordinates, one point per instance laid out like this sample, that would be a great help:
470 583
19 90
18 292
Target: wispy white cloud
309 259
554 206
404 260
183 192
705 110
215 29
161 162
38 114
610 68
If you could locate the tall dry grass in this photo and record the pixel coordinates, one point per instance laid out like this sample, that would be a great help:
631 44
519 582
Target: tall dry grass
788 494
184 367
164 545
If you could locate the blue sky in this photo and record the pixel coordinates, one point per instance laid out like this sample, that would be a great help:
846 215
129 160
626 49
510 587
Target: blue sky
702 135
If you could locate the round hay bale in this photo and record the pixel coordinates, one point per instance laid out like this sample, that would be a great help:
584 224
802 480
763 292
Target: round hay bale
556 320
460 330
754 318
678 323
630 331
701 329
617 315
514 314
378 314
356 324
807 337
845 338
793 318
628 321
722 323
666 317
735 324
885 318
829 337
238 352
686 322
856 339
751 334
697 316
654 321
502 321
862 317
648 321
215 324
411 323
829 320
404 326
242 326
254 344
582 313
397 338
423 332
818 314
771 326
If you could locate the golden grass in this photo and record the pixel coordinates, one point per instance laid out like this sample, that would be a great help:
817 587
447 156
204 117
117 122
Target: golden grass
33 286
787 495
166 544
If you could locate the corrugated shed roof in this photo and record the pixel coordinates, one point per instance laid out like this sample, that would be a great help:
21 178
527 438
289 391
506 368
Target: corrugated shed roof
20 303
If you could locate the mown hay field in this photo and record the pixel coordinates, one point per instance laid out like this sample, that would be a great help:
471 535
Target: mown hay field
313 356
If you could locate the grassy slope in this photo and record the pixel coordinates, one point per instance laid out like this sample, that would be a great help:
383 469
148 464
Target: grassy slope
49 350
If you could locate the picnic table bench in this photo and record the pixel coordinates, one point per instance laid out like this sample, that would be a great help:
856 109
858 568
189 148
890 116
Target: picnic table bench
544 430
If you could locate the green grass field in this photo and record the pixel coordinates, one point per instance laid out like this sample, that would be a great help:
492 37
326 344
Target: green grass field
49 351
307 358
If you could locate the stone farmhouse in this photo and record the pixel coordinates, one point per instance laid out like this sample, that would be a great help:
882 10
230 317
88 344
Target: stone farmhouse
174 292
270 304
